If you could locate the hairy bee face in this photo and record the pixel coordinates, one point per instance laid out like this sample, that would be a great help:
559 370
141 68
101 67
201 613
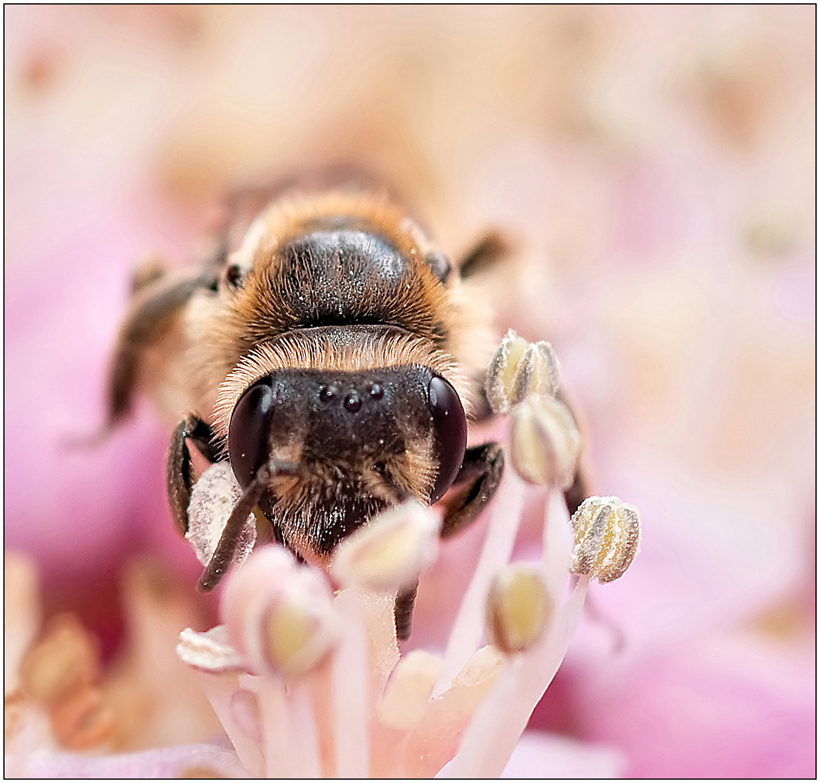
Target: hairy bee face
331 357
357 443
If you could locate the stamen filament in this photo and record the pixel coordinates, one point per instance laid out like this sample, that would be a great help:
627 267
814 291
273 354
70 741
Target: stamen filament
305 748
465 636
501 718
351 695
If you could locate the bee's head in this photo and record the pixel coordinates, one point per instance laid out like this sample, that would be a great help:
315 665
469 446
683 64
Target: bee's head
356 441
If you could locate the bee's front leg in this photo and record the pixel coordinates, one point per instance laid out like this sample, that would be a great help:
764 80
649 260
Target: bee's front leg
179 475
481 474
403 611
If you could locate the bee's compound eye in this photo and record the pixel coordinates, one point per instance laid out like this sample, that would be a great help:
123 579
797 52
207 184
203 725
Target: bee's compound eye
450 427
249 431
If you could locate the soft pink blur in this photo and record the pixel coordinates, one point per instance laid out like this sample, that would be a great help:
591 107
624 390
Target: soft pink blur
656 165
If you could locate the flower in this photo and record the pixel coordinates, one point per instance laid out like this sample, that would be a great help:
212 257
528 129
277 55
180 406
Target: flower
340 700
688 344
308 681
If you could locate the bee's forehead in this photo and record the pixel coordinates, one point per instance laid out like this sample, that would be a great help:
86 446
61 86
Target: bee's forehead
320 389
352 409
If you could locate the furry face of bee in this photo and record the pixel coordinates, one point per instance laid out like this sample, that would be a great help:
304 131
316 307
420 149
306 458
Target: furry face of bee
334 357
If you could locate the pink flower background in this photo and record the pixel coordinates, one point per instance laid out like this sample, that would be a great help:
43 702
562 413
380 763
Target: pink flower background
656 166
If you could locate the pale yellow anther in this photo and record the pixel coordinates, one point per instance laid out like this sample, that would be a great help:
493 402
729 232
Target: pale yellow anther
544 442
409 689
519 369
390 551
518 608
295 638
279 619
607 534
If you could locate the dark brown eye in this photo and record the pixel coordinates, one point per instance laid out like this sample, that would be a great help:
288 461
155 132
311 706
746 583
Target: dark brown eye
450 428
249 431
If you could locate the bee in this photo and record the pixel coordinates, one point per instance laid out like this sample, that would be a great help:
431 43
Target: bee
333 355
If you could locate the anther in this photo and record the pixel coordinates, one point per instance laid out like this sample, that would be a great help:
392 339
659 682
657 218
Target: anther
390 551
279 617
544 441
520 369
518 608
607 535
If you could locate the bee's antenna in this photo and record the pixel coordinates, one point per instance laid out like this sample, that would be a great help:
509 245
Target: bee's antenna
226 548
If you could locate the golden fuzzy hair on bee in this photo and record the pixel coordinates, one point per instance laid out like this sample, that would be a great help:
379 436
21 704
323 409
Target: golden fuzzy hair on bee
297 213
279 296
300 499
349 349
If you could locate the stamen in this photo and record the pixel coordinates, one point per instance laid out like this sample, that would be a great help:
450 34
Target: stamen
297 635
389 551
544 442
520 369
83 720
351 692
501 376
64 660
209 651
279 615
502 716
607 536
465 635
305 733
22 615
518 608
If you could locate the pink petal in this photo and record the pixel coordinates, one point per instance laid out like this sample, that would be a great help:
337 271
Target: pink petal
163 763
540 755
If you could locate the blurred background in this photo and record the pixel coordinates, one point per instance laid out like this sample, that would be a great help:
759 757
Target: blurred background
656 167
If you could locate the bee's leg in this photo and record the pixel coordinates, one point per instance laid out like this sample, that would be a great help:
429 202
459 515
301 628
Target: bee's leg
148 271
179 476
489 249
156 305
577 492
482 410
226 548
403 611
481 472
